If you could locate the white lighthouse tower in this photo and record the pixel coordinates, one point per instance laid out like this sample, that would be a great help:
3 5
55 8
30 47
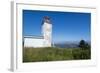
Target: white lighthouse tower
47 31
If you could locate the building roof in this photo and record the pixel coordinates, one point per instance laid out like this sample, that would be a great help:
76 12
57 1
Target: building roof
47 17
37 37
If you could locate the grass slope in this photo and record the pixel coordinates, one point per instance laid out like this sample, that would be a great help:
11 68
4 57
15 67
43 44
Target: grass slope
54 54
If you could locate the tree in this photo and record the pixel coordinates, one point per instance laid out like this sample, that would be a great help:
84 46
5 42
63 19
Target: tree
84 45
87 46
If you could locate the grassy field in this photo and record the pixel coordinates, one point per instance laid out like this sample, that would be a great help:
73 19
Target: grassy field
54 54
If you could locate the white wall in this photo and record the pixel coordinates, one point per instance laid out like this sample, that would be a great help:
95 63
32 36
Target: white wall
47 34
5 36
33 42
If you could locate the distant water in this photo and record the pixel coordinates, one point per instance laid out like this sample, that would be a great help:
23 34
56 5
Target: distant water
67 44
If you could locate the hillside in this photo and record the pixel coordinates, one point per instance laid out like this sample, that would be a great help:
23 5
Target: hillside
54 54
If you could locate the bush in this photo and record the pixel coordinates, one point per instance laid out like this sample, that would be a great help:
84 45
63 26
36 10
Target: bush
81 54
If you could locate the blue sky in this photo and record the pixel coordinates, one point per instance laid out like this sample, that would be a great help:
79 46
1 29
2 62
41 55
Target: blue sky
67 26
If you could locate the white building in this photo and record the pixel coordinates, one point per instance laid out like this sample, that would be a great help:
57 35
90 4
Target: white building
41 41
33 41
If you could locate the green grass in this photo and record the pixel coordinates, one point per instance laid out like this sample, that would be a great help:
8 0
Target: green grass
54 54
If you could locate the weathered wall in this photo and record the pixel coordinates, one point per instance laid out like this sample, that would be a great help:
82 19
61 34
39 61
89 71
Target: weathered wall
33 42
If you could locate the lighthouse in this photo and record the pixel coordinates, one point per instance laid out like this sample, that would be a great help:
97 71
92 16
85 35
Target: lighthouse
47 31
45 39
